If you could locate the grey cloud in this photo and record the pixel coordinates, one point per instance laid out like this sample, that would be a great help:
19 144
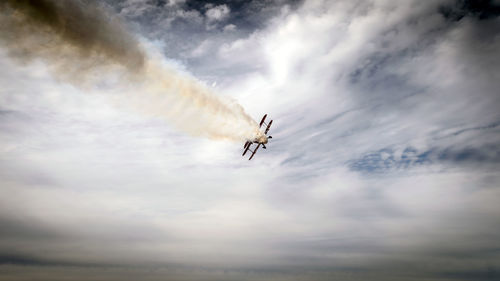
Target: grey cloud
383 164
380 90
482 9
387 160
183 27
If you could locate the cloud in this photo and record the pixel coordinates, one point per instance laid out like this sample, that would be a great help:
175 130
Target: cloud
383 164
217 13
229 28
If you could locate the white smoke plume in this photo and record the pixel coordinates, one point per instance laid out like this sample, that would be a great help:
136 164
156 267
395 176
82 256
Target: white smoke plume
83 45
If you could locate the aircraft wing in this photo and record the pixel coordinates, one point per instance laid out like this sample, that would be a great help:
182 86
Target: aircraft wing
254 152
268 127
262 121
247 146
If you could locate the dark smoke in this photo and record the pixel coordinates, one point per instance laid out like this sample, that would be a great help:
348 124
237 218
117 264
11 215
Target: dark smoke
82 44
72 36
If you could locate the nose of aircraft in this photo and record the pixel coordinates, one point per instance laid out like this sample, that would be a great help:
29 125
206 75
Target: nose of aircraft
262 139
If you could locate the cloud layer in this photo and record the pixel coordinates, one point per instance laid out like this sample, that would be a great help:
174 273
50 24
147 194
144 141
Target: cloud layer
383 164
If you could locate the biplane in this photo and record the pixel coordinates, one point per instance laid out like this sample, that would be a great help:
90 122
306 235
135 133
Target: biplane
262 139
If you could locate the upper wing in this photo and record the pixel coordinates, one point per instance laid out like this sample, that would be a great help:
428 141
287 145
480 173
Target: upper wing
262 121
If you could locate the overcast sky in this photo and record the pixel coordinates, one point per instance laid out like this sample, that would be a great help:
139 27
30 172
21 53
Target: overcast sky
384 162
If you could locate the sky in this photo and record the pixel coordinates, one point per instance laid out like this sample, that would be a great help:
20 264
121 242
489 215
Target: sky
383 163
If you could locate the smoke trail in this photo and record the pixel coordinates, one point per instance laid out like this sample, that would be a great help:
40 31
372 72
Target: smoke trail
81 44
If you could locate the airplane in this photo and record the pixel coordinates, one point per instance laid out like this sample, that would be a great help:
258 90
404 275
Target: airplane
262 139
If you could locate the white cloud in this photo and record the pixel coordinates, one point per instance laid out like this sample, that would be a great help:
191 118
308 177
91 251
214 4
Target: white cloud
202 49
217 13
175 2
229 28
190 15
